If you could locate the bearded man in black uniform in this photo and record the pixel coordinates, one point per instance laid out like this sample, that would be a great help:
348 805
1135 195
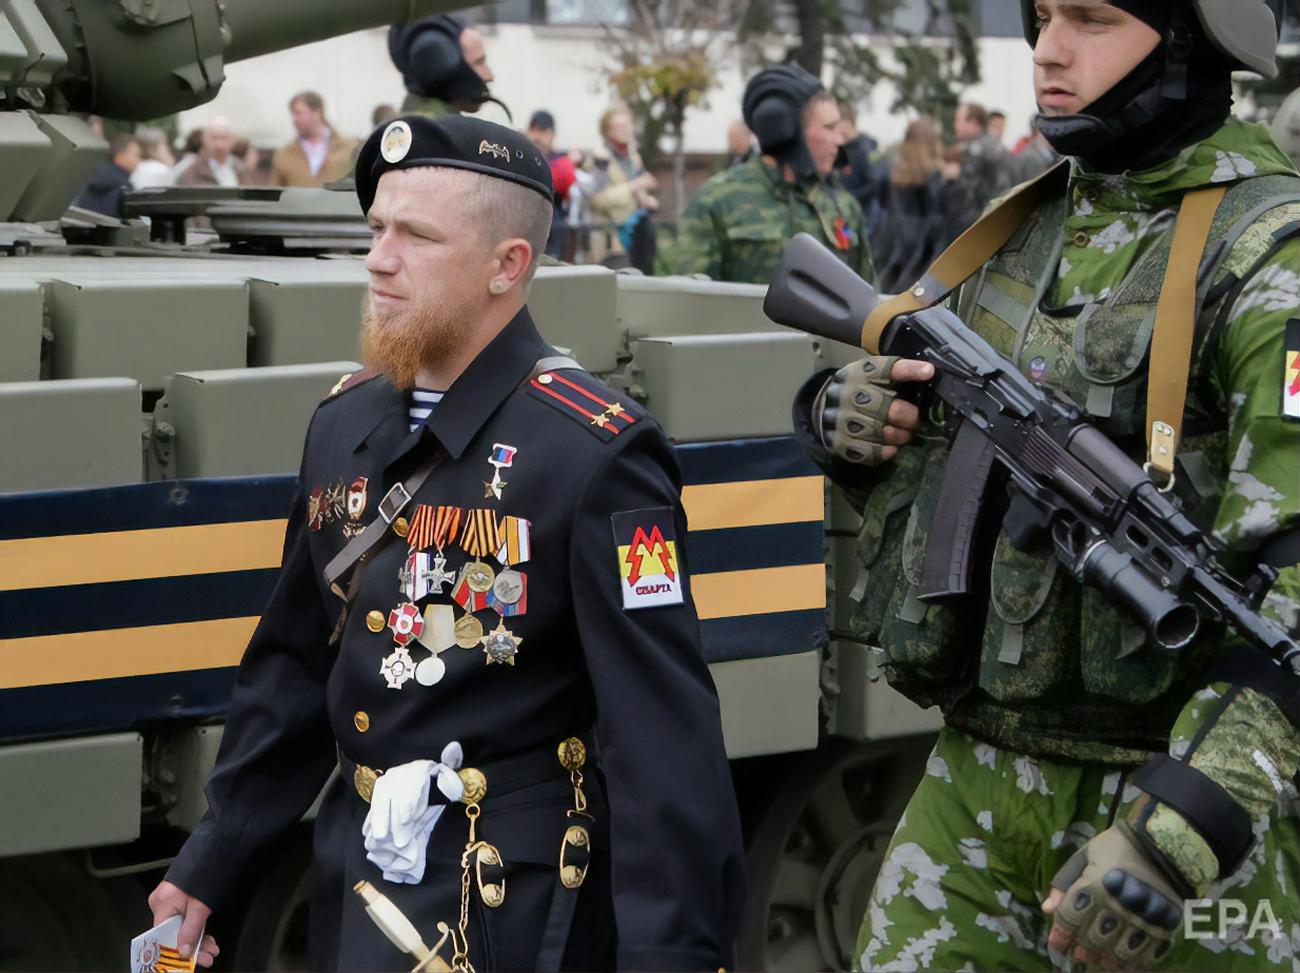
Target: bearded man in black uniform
484 619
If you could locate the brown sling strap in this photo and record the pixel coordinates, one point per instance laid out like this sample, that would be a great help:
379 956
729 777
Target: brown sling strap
967 254
1171 346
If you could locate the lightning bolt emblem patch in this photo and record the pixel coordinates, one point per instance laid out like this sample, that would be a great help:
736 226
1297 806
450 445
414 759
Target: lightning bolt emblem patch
647 558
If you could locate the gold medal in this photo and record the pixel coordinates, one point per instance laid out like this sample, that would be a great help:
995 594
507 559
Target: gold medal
501 645
469 632
479 576
363 778
572 754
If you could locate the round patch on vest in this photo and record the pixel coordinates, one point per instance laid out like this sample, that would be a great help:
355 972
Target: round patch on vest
1038 369
396 142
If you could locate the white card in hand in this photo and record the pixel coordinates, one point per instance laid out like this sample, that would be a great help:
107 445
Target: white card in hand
155 951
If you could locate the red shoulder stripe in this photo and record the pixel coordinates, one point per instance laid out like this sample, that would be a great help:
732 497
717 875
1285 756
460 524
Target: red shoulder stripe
621 414
595 420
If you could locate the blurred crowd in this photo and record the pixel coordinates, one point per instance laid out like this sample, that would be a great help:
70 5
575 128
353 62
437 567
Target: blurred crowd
916 196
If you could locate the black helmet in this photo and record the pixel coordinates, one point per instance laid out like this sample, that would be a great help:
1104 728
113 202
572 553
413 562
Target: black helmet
427 52
773 107
1247 31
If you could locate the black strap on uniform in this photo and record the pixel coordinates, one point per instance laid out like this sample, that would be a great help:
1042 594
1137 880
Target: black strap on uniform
1211 810
358 550
1244 665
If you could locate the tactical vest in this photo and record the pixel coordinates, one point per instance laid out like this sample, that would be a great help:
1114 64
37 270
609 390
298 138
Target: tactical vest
1058 671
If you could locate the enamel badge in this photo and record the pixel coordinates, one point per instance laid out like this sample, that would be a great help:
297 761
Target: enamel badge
356 507
502 458
397 668
406 622
646 545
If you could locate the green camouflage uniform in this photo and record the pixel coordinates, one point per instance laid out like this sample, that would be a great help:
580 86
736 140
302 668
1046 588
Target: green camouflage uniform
433 107
1060 700
737 226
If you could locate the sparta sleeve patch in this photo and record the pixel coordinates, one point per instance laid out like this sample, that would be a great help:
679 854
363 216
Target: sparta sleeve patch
646 543
1291 372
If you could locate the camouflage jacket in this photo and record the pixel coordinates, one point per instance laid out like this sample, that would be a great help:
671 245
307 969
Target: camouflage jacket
737 226
415 104
1057 670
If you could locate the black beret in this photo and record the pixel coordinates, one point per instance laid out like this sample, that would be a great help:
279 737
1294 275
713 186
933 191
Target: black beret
454 141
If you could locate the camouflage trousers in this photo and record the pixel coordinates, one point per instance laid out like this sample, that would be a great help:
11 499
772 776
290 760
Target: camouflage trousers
974 855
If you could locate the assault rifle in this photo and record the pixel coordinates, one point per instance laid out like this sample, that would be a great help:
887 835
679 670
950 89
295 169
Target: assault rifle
1111 526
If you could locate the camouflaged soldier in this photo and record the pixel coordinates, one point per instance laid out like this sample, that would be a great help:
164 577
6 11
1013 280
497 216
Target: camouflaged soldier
443 64
1091 798
737 226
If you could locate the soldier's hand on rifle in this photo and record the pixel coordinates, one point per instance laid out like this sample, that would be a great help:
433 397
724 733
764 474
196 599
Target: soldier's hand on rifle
169 900
859 415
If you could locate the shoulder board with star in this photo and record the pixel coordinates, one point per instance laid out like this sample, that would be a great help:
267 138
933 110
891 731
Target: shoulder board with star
588 402
351 381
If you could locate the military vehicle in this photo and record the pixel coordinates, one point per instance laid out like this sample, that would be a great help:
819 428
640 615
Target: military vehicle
154 395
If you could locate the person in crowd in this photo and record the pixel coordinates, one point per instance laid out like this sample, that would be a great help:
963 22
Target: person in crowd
998 126
157 162
861 174
382 115
215 163
541 132
622 193
740 143
913 226
983 170
318 154
105 191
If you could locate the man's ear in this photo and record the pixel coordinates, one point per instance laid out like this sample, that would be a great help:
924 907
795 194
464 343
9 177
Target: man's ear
512 258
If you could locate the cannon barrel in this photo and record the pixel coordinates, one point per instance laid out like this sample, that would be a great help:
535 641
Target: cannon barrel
261 26
143 59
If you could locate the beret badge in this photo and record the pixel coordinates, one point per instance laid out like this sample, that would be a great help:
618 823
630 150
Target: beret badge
396 142
491 148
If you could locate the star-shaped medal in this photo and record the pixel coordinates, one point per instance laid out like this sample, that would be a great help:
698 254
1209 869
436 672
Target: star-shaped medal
500 645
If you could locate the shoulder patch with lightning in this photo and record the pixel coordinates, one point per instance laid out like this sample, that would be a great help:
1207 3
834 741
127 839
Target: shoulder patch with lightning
649 570
586 401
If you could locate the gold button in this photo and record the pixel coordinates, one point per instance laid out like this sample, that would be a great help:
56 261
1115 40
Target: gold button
361 720
1081 239
401 527
375 621
546 379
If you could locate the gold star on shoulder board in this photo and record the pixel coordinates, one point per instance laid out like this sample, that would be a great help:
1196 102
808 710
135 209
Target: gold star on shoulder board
615 409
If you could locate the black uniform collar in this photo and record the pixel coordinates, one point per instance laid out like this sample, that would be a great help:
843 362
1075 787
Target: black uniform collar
496 372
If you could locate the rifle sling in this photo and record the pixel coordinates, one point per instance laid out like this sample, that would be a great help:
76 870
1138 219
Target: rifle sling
1170 364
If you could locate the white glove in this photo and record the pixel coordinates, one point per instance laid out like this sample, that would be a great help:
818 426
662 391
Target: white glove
397 827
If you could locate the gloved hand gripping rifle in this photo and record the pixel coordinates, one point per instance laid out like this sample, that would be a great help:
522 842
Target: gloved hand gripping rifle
1110 525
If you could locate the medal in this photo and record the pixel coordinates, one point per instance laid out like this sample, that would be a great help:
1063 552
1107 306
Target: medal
430 671
465 596
501 646
501 458
469 631
406 622
420 534
397 668
336 502
509 594
439 628
479 577
514 540
316 509
439 575
357 498
414 577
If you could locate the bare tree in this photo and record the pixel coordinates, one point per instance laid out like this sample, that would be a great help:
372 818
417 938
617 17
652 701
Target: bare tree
664 62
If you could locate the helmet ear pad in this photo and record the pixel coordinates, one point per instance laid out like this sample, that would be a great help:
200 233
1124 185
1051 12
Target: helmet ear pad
775 122
428 52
